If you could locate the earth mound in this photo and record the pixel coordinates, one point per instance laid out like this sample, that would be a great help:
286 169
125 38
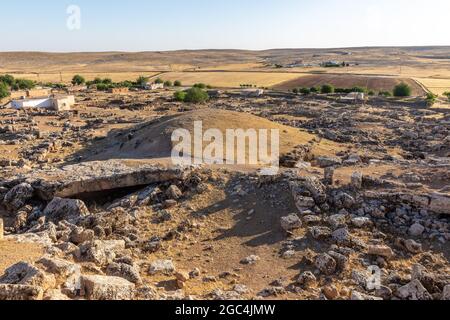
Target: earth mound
153 140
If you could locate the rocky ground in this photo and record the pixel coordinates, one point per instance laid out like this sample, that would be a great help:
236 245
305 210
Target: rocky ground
367 198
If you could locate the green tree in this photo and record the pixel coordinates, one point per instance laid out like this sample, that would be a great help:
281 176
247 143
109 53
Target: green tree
196 95
141 81
327 88
402 90
7 79
168 83
4 92
177 83
314 89
23 84
200 86
305 91
159 81
180 95
78 80
107 81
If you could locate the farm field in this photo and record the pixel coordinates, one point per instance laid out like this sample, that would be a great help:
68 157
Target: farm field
231 79
437 86
349 81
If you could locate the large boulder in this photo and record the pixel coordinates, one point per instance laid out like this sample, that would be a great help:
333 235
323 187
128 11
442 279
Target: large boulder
101 252
18 196
414 291
23 273
106 288
66 209
16 292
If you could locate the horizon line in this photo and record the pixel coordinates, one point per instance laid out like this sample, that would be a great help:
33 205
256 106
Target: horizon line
230 49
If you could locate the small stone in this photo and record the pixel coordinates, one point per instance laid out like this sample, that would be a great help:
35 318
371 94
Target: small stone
291 222
341 235
165 267
356 180
381 250
330 292
306 279
413 246
326 264
250 260
174 192
358 296
416 230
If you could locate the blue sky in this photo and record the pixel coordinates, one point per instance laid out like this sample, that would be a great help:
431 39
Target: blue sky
139 25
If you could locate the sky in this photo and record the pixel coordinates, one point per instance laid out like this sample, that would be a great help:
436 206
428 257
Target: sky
150 25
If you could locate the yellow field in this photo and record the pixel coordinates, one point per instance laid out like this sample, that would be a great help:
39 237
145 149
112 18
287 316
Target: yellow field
437 86
230 79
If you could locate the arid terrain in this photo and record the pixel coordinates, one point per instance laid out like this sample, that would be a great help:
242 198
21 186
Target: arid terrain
93 207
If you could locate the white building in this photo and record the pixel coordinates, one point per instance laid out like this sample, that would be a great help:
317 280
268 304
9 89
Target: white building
154 86
253 92
58 103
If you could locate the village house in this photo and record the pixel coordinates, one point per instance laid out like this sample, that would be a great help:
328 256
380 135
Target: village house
252 92
154 86
58 103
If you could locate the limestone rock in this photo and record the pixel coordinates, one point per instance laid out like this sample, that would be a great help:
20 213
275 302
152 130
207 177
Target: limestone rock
414 291
106 288
162 267
18 196
66 209
291 222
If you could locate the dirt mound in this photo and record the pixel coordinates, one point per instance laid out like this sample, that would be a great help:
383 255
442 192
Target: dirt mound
152 140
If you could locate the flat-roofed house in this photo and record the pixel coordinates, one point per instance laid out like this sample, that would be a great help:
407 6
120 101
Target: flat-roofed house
58 103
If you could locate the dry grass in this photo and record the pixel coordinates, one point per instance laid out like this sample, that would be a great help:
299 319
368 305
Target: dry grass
230 79
13 252
437 86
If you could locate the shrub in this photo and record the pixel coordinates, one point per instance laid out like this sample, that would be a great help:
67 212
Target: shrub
314 90
4 92
141 81
159 81
196 95
180 95
23 84
447 94
402 90
305 91
103 87
371 93
200 85
107 81
7 79
431 99
78 80
168 83
359 89
385 94
295 90
327 88
177 83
